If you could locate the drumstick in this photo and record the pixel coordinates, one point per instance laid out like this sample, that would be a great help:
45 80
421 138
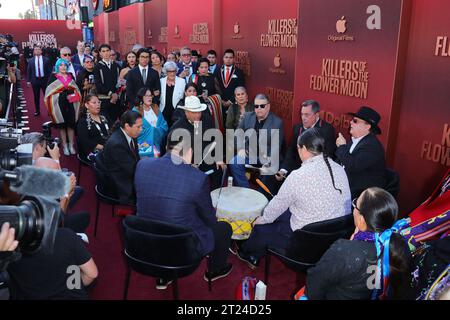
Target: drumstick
221 186
210 149
264 187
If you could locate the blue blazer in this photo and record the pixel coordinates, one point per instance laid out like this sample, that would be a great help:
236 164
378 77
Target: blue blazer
177 194
31 70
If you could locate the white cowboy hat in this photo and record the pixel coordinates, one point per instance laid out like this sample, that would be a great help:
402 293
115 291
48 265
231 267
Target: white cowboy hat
193 104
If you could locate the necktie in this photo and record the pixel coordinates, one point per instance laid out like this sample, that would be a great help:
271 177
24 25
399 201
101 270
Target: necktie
39 66
227 75
144 75
132 148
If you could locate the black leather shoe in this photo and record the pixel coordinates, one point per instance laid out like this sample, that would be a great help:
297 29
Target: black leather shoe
37 113
162 284
251 261
219 274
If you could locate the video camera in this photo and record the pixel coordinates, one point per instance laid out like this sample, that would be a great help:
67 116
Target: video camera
28 194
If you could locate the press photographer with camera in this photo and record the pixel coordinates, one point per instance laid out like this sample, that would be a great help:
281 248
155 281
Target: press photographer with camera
43 144
40 146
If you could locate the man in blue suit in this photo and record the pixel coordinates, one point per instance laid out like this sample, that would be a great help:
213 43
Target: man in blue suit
169 189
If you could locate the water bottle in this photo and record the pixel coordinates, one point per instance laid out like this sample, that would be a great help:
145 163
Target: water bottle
230 181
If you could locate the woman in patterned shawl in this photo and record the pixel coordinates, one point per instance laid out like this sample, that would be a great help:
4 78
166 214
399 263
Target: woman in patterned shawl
62 99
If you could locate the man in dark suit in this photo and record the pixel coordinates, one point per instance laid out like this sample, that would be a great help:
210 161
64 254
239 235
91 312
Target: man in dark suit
266 132
363 158
310 114
229 77
38 72
142 76
186 67
78 57
117 162
106 73
170 189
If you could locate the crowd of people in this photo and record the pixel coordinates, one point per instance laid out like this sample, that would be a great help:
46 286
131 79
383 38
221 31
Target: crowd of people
124 116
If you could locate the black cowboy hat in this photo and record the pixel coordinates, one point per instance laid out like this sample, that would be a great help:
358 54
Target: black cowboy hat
370 116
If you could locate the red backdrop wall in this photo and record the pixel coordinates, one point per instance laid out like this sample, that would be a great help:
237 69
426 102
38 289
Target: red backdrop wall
425 109
65 35
181 19
377 49
156 24
257 60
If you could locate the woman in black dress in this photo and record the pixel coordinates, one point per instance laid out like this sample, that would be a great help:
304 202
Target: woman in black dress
207 84
92 128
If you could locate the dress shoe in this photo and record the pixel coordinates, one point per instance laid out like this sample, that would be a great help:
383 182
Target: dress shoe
219 274
162 284
251 261
37 113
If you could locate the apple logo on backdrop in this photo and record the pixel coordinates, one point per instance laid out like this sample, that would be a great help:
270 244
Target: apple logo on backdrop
277 61
237 28
341 25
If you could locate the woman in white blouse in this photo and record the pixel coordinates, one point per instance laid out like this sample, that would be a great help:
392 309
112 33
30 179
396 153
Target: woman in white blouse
172 91
317 191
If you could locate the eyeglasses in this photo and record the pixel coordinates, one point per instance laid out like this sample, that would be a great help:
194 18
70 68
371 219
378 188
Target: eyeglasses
186 55
354 204
65 54
260 106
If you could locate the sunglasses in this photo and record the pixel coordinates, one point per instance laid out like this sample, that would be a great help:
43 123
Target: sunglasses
260 106
65 54
354 204
355 120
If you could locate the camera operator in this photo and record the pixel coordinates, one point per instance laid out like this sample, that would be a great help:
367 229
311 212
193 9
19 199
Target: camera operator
79 221
13 76
42 276
40 147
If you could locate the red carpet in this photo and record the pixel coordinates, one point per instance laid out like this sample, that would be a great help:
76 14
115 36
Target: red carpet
106 250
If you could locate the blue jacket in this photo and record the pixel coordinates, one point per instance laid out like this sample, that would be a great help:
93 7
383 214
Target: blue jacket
177 194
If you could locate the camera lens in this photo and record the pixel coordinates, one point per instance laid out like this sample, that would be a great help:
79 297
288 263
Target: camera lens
28 222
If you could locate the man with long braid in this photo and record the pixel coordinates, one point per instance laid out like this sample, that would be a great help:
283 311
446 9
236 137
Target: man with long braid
317 191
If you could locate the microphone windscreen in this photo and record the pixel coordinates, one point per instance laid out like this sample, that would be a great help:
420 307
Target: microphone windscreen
33 181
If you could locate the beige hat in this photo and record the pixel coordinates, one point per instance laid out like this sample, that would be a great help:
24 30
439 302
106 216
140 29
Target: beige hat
193 104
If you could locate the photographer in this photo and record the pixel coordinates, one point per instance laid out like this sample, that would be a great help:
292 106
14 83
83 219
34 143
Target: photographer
40 147
79 221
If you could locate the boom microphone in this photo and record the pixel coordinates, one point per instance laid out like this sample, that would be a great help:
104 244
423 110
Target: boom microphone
33 181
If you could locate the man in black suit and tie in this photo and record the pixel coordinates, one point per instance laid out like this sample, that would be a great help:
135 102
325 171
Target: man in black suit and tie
142 76
310 114
229 77
363 157
106 73
117 162
38 72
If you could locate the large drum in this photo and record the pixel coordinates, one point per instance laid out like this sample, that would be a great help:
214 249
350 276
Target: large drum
239 207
